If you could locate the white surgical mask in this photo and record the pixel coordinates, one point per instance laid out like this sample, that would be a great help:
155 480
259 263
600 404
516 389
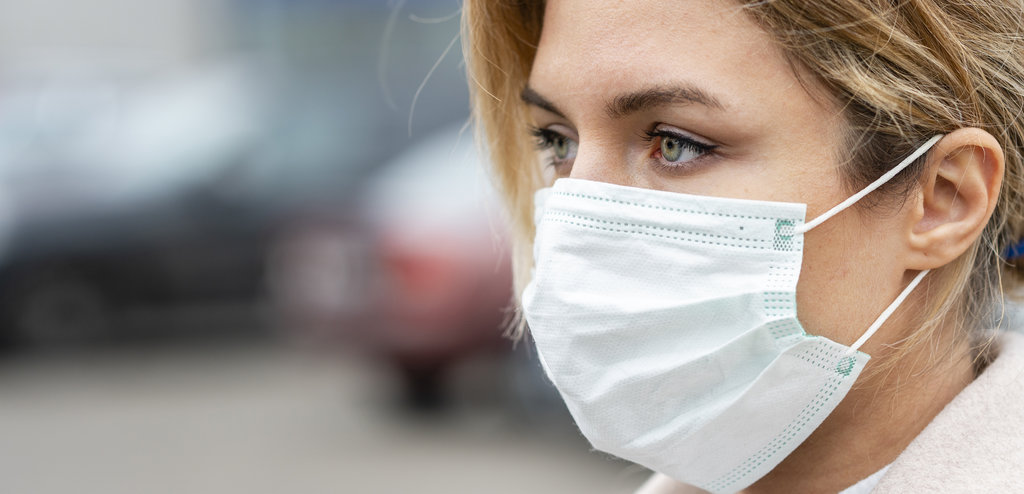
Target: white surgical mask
668 323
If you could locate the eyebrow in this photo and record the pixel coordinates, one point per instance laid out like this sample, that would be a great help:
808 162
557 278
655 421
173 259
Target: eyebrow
636 101
531 97
646 99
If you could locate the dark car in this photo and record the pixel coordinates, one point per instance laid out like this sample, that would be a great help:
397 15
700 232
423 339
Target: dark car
158 194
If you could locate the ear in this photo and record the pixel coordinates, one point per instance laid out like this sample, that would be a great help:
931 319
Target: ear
959 190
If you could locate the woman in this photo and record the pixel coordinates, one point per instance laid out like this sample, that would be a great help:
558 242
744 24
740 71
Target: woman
761 246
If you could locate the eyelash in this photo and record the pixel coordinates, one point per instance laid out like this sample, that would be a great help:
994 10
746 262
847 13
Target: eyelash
545 138
688 142
545 141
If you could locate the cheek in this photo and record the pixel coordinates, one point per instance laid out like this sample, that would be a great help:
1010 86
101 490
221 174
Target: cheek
848 277
824 306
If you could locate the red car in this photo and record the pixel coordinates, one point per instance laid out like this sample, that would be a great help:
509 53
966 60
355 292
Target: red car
420 277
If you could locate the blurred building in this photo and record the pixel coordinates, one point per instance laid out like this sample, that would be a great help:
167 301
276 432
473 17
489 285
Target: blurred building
105 35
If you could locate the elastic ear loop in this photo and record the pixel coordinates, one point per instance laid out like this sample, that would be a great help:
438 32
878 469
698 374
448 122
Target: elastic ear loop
850 201
886 313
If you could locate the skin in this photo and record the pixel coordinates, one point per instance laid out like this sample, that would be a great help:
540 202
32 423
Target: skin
775 139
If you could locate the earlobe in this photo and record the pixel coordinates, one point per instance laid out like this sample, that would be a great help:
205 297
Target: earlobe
959 190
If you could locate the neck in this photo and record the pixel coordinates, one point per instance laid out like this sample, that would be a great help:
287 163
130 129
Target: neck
874 423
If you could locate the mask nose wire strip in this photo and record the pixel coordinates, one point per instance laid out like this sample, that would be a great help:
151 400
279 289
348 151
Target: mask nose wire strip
886 313
869 189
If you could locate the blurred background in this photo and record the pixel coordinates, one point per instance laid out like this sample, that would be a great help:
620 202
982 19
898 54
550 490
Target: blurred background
248 246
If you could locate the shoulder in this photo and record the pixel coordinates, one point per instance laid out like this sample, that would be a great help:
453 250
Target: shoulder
976 444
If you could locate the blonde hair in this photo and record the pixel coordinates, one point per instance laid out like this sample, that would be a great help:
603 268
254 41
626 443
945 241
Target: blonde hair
900 71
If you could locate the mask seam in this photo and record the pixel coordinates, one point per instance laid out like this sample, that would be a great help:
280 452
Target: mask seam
659 228
663 208
781 287
652 234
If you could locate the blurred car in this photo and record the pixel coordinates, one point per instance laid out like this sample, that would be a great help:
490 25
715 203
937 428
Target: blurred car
421 279
156 173
125 194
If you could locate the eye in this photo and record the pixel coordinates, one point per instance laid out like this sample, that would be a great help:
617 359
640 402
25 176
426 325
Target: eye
672 148
677 148
562 146
562 149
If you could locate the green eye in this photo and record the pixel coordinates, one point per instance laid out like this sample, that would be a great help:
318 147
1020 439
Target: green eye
556 146
671 148
677 149
561 147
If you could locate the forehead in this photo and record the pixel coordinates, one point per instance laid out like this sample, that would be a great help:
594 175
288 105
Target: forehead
600 47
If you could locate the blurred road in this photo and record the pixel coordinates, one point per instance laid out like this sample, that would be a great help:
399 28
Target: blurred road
261 418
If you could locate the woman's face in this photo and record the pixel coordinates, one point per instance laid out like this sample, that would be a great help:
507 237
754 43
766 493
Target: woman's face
691 96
